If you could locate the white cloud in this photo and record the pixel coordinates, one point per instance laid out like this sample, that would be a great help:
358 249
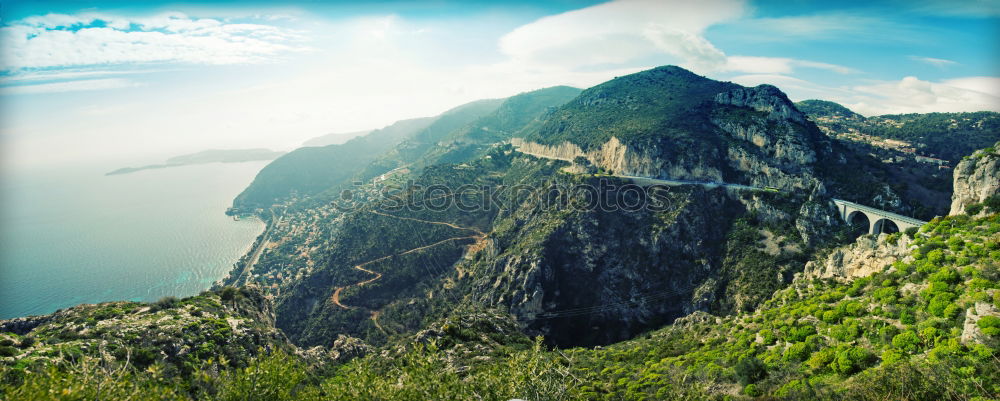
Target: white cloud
620 31
987 85
937 62
623 31
908 95
912 95
777 65
837 26
60 40
70 86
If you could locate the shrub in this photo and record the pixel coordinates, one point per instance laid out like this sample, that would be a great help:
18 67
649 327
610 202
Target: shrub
990 325
907 341
6 350
973 209
993 202
821 359
851 360
891 356
27 341
165 303
229 293
906 317
768 336
750 370
801 333
797 352
939 303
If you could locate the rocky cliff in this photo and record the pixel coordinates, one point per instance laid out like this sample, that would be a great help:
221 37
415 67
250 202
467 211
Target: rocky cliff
977 178
864 257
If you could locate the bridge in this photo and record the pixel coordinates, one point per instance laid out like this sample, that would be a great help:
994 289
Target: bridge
877 218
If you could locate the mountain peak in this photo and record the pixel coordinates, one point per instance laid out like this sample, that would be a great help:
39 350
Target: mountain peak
825 108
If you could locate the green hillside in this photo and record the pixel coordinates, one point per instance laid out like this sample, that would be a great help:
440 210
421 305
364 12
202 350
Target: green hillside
309 170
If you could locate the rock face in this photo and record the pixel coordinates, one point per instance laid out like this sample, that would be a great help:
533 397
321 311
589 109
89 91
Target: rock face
971 333
863 258
618 158
976 178
764 98
588 277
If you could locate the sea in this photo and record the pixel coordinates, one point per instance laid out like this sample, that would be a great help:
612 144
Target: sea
72 235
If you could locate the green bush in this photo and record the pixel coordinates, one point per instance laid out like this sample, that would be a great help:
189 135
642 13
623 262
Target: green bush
750 370
6 350
851 360
989 325
973 209
993 202
165 303
797 352
907 341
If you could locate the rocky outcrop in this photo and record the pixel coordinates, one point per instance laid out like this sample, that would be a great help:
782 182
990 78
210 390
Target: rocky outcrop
764 98
971 333
818 219
22 325
977 177
866 256
616 157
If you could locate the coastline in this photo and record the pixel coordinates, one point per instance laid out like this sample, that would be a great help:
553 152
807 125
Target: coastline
249 258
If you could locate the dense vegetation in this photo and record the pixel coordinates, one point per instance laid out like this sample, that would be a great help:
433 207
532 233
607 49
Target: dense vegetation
824 108
660 105
948 136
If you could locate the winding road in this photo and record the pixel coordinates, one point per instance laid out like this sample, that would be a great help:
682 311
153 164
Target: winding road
335 298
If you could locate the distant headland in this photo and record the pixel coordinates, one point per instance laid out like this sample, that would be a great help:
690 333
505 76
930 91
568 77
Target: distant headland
208 156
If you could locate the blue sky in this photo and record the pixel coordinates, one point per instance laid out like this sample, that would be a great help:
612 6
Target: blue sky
86 80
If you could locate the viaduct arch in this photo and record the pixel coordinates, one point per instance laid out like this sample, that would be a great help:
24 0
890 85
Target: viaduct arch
877 219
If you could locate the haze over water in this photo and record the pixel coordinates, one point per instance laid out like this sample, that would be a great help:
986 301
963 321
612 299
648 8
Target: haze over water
73 235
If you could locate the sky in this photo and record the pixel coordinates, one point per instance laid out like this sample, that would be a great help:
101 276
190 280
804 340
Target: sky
115 80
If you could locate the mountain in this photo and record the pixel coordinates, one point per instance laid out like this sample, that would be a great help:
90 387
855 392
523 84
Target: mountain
947 136
334 138
922 324
208 156
306 171
376 271
827 109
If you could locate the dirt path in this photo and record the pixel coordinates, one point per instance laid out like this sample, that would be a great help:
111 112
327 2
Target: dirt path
335 298
444 223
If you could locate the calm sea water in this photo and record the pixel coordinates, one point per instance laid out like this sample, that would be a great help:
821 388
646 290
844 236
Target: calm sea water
73 235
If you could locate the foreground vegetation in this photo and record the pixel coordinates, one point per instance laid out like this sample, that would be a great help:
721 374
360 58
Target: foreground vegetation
923 328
